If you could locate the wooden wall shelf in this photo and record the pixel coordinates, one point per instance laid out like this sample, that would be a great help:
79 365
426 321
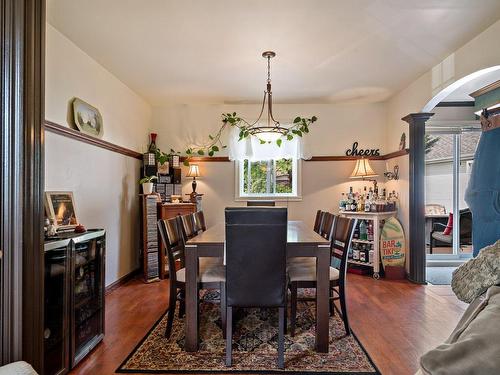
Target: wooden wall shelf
391 155
82 137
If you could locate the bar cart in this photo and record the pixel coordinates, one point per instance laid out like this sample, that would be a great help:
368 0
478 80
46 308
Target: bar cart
376 218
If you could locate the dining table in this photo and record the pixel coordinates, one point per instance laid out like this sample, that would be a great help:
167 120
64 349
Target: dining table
302 241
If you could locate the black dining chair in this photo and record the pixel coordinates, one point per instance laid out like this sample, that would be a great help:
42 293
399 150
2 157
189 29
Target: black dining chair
256 266
325 230
303 275
199 221
327 224
318 220
188 226
190 230
211 274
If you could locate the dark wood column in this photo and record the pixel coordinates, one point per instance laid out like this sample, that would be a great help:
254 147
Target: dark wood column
22 37
417 195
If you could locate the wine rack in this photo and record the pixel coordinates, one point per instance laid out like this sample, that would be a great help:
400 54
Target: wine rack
73 298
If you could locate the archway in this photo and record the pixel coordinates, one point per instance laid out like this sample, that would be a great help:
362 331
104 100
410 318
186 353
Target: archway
417 123
457 85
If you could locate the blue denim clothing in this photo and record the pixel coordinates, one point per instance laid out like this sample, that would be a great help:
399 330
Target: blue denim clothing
483 192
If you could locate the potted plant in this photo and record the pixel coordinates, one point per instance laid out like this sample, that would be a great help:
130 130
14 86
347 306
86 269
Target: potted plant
147 184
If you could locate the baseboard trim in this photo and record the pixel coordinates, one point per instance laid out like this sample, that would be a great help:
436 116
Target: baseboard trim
122 280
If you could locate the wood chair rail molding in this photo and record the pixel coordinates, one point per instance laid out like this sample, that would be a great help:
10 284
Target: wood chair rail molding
82 137
388 156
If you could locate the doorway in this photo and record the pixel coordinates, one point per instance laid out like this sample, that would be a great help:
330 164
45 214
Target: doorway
451 137
450 150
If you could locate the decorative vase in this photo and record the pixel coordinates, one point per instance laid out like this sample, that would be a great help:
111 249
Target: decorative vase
147 188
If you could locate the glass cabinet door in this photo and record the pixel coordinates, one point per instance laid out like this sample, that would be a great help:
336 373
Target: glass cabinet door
55 311
88 324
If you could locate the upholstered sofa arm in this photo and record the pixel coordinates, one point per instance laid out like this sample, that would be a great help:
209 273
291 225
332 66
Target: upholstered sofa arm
473 346
473 278
17 368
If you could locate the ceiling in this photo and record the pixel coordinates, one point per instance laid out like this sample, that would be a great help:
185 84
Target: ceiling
197 51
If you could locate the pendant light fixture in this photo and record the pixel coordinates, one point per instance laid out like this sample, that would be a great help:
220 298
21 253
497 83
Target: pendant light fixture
266 128
269 130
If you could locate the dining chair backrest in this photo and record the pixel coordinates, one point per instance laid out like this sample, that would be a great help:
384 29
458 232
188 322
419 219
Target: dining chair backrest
171 236
326 229
261 203
341 241
188 226
199 221
318 220
256 256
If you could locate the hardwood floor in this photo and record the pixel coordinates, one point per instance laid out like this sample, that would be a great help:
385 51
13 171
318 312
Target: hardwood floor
396 321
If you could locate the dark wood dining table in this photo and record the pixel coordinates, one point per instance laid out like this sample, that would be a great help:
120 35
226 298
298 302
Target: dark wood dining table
302 241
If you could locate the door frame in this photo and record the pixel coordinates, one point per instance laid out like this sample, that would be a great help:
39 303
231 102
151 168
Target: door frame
455 128
22 31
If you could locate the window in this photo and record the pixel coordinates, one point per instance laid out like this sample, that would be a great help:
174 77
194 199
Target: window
268 179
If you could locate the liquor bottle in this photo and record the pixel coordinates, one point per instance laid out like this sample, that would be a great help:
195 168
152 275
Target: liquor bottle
342 203
356 232
371 255
350 195
362 231
367 204
361 203
396 200
354 205
370 230
349 252
355 254
362 256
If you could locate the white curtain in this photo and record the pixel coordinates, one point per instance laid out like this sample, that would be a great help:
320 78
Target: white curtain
251 149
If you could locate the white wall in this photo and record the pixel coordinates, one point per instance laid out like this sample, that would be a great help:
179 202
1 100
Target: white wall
104 183
337 128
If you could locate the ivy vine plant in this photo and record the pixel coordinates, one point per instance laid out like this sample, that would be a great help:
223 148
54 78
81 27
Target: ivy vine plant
299 128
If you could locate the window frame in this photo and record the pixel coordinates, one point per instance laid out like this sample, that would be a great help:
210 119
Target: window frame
239 195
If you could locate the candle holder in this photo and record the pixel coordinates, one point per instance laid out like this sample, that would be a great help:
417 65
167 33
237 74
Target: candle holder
394 175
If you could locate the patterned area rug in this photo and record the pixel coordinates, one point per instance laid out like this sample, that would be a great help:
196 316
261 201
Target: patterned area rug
254 346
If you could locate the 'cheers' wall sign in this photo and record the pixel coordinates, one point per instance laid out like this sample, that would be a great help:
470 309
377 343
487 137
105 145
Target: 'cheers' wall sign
361 152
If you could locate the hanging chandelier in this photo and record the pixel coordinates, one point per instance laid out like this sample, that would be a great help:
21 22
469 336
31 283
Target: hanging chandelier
266 128
271 130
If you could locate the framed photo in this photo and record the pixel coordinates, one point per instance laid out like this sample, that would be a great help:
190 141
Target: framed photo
60 205
87 119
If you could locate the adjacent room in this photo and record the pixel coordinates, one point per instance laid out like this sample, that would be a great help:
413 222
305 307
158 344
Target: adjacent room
309 187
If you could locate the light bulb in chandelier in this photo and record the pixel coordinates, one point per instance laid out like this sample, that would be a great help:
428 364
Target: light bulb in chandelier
269 134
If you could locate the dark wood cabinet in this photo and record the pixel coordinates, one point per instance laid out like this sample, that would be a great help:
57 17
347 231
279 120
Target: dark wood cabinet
56 307
73 298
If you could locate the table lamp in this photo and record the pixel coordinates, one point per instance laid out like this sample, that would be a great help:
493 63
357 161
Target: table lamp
194 171
363 170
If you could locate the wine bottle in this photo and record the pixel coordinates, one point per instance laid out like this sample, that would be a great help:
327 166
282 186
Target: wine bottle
152 145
